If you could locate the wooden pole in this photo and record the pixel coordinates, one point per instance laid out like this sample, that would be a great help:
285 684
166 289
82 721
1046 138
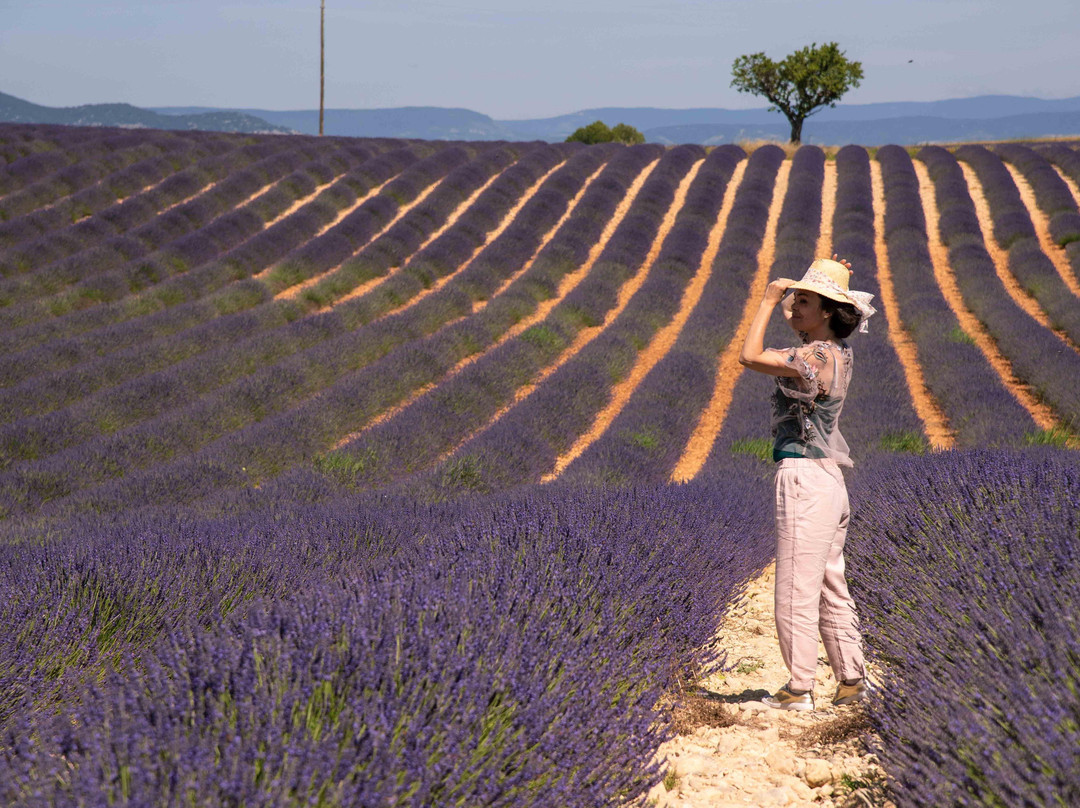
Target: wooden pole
322 62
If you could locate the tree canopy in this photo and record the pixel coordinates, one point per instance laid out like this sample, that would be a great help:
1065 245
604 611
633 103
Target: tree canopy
802 83
599 132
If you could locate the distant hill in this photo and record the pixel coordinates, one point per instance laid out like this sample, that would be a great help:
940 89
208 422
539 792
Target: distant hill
426 123
908 130
16 110
988 117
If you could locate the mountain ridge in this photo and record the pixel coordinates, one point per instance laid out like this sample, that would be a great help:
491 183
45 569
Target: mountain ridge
18 110
986 117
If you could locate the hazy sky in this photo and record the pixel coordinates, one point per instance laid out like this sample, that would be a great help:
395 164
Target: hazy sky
512 59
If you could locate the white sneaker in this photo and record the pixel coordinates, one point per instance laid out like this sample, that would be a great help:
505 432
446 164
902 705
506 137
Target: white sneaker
784 699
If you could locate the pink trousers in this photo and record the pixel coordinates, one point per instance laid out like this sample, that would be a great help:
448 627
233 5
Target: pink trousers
811 592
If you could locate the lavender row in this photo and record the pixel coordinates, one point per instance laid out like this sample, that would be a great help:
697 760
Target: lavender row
109 326
201 229
978 408
148 395
453 654
81 209
1038 357
647 438
1014 231
341 244
54 241
1068 160
25 172
746 424
422 268
88 260
987 606
525 443
415 437
881 414
263 439
215 350
28 158
84 171
401 245
211 187
1051 193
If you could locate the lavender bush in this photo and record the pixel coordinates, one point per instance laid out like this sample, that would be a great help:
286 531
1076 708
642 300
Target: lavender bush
110 325
977 407
96 207
1038 357
214 213
965 570
645 441
525 443
1015 232
351 390
218 349
496 652
432 425
882 414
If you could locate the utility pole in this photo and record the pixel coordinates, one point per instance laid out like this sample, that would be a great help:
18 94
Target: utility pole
322 61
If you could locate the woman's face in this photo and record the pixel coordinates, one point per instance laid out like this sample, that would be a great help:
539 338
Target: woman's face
806 312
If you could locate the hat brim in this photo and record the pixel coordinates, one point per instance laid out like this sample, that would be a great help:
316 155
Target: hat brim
839 297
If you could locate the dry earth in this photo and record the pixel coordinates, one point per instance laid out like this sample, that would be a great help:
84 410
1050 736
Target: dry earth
735 750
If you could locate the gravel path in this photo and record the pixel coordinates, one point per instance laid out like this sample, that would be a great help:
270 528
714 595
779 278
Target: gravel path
765 757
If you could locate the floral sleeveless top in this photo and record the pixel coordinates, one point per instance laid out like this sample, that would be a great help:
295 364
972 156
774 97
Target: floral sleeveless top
806 408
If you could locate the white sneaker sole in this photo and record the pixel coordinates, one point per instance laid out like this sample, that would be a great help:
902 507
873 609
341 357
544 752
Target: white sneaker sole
791 705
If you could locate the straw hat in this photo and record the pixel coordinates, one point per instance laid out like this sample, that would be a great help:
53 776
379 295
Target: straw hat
829 279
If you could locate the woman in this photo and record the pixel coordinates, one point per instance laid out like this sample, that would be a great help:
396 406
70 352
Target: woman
811 498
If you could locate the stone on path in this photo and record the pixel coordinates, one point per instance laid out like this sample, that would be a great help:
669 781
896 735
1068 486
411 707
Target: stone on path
818 773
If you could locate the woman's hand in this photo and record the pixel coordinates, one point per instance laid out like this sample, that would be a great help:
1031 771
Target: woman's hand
774 292
843 261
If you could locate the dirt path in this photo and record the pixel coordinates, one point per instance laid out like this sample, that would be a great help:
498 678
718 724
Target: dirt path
734 750
828 209
939 256
712 418
1042 228
926 407
1000 258
659 345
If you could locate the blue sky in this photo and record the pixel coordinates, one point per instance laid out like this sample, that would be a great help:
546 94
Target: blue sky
513 59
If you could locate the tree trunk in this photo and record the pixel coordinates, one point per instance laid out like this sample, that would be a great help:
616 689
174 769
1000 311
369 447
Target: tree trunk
796 130
322 61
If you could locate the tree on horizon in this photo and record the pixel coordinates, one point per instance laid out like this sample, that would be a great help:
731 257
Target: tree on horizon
802 83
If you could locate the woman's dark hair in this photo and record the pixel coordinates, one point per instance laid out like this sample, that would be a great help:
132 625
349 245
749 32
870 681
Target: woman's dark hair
843 317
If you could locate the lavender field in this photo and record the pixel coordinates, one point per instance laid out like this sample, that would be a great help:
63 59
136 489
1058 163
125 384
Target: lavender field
344 471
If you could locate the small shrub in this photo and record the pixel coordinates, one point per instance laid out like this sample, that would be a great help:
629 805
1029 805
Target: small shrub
1056 436
960 335
761 448
465 472
746 667
912 442
599 132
